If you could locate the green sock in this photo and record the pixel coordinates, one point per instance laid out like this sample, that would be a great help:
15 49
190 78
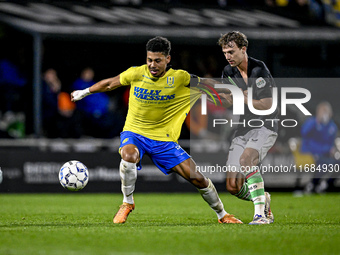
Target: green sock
256 187
244 192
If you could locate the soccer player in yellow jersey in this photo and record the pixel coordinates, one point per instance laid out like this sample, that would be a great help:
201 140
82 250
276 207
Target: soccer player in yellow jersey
160 98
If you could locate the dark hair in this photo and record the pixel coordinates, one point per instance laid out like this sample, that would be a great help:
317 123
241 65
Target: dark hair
159 44
239 38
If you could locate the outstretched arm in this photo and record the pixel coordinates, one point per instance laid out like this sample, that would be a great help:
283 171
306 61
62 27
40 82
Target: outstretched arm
226 99
207 83
101 86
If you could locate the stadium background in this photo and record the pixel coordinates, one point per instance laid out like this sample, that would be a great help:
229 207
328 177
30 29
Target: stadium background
294 41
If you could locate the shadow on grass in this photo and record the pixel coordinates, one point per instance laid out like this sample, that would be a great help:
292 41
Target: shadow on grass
61 224
136 224
142 224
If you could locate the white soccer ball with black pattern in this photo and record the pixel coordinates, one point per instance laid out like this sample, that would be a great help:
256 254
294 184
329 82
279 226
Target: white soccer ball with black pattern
73 175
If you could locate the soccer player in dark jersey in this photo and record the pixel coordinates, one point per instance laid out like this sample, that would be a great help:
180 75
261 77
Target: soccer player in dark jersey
250 144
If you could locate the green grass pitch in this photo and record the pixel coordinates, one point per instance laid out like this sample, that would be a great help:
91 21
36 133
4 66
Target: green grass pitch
81 223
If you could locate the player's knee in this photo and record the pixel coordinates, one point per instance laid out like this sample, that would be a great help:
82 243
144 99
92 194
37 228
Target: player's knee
232 186
132 158
130 155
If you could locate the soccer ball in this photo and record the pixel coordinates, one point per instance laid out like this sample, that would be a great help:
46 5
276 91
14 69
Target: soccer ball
73 175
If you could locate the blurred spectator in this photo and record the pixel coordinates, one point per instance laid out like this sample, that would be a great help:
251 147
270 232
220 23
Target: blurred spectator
316 9
332 11
59 116
318 137
69 124
222 3
51 87
298 8
272 3
310 12
13 86
98 120
12 82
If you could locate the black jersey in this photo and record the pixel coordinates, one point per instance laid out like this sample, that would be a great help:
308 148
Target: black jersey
261 81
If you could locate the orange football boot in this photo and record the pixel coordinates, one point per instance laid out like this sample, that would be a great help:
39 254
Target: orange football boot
229 218
123 212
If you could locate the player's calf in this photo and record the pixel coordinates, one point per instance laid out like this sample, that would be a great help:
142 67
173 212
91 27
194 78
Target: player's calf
128 177
236 185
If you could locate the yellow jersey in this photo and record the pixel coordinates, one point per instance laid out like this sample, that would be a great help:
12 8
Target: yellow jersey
158 106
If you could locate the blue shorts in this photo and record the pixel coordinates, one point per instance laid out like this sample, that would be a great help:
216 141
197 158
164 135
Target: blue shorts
165 155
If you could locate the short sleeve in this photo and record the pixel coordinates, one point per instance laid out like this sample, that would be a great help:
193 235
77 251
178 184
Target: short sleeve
264 84
186 78
128 76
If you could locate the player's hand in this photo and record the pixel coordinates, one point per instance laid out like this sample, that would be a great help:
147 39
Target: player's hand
79 94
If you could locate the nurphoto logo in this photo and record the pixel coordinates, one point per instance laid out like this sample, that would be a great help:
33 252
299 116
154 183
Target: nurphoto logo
239 106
